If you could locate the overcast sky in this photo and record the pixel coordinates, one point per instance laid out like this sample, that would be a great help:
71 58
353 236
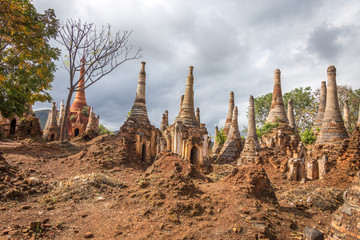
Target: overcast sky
233 46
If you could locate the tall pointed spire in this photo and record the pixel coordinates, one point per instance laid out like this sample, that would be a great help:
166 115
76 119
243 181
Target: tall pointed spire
138 110
277 110
332 130
61 113
187 112
251 146
346 115
80 99
232 146
51 130
229 114
319 117
290 114
198 115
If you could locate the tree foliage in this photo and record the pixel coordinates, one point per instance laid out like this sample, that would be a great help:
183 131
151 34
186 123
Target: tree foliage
305 106
100 51
220 136
346 92
26 57
260 131
262 106
104 130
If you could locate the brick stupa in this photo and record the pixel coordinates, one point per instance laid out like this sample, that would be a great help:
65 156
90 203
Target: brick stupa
277 110
250 152
290 115
229 114
332 129
322 104
51 130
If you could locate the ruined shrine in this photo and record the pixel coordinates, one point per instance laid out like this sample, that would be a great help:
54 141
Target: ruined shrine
186 136
322 104
52 129
250 152
332 129
139 137
80 113
27 125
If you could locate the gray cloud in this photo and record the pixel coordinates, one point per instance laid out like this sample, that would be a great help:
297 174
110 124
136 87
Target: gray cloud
233 45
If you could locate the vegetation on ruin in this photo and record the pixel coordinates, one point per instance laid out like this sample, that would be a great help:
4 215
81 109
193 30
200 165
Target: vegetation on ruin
307 136
104 130
26 57
305 104
266 128
85 111
100 51
220 136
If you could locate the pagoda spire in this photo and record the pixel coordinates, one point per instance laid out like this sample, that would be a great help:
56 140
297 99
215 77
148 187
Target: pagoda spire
80 99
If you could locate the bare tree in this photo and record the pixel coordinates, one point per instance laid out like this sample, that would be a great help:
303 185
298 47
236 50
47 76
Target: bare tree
100 51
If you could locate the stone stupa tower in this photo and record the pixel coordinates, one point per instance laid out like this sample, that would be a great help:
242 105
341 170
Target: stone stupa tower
251 147
290 115
277 110
51 130
229 114
80 99
187 111
320 115
346 115
332 130
232 147
138 111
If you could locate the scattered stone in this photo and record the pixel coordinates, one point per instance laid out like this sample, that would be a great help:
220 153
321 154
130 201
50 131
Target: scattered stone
313 234
89 235
34 225
25 207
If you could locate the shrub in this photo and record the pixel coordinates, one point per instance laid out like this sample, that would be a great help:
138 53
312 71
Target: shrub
266 128
307 136
220 137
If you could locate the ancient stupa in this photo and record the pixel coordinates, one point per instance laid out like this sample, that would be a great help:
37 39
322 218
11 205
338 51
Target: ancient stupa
346 115
232 147
137 131
332 129
277 110
250 152
79 114
322 104
186 136
290 115
51 130
229 114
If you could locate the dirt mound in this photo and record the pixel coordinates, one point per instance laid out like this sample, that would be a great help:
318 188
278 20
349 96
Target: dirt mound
81 187
169 162
108 151
15 185
252 181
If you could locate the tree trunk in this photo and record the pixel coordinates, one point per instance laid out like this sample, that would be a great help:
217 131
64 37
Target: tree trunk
63 130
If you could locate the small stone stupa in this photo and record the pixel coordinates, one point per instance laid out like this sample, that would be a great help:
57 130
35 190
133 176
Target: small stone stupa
233 144
137 131
332 129
51 130
322 104
277 110
250 152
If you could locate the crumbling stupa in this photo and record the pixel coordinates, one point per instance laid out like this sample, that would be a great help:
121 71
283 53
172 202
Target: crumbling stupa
332 129
290 115
322 104
229 116
232 147
250 152
52 130
346 115
139 136
277 110
186 136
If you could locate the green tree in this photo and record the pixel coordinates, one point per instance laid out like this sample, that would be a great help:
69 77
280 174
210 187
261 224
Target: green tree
305 106
346 92
220 136
262 106
104 130
26 57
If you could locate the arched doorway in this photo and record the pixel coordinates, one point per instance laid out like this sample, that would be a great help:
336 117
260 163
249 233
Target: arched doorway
76 133
315 170
52 138
194 155
299 172
12 127
143 153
